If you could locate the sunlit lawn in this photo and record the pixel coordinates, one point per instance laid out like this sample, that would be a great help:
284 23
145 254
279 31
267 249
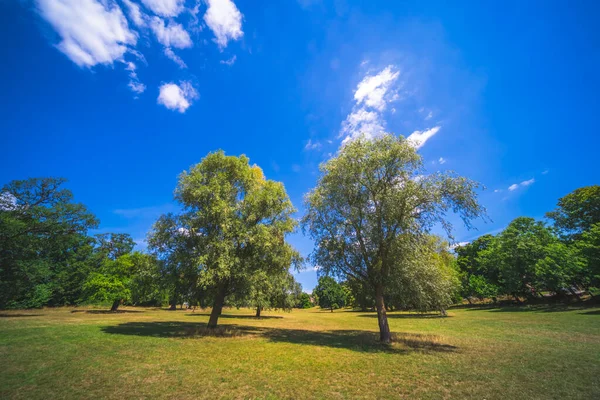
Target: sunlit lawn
508 353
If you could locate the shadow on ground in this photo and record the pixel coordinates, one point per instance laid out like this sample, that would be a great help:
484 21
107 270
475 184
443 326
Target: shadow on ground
363 341
409 316
107 311
236 316
16 315
541 308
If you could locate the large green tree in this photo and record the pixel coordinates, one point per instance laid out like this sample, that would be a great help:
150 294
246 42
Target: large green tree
331 294
233 225
515 253
370 211
577 211
44 247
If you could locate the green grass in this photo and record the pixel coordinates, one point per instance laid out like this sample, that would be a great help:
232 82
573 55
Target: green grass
501 353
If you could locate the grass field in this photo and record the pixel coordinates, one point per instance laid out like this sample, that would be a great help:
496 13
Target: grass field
501 353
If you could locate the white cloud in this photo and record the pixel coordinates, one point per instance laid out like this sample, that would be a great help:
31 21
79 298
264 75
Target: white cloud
135 14
442 160
165 8
92 32
419 138
229 62
170 54
544 172
225 20
497 190
429 116
310 145
134 83
372 95
374 90
172 35
177 97
137 87
528 182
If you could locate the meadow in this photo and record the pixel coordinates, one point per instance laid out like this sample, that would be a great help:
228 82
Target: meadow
525 352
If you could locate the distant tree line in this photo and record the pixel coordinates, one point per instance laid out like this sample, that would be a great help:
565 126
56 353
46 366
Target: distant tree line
531 259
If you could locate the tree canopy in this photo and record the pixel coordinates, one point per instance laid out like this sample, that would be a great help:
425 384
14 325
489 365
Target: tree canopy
371 209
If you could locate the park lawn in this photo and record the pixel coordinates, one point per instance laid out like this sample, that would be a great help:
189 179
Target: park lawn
498 353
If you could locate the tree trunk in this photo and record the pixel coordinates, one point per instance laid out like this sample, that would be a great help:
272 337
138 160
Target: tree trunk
574 293
469 300
258 308
384 328
173 306
217 306
331 309
115 305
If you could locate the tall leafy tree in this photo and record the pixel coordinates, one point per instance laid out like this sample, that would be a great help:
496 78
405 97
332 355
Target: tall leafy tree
43 243
589 248
330 293
515 252
233 224
370 211
577 212
478 279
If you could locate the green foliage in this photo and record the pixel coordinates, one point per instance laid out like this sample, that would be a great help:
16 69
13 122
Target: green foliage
370 211
577 212
304 301
589 249
331 294
43 244
233 225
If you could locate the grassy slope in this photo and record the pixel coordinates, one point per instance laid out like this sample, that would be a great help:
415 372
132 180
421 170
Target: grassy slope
491 354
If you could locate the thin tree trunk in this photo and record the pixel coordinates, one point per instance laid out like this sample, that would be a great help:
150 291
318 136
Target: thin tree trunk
217 306
384 327
258 308
115 305
173 306
574 293
469 300
517 299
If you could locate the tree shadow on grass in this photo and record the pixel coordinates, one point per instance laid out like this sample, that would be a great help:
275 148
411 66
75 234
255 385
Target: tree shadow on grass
595 312
363 341
107 311
408 316
539 308
17 315
237 316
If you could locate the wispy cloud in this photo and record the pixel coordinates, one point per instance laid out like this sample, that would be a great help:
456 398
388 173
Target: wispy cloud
419 138
372 95
229 62
310 145
526 183
170 35
442 160
165 8
175 58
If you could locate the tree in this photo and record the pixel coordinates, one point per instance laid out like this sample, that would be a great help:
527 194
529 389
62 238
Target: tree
330 293
233 225
114 245
577 211
515 252
274 291
111 283
370 211
44 247
304 301
478 279
560 269
427 280
589 248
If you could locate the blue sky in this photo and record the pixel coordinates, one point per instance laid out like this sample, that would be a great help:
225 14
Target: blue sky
121 96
